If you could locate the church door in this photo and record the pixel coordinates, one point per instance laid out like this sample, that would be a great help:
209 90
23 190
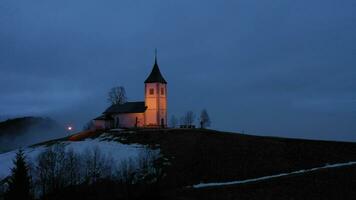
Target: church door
162 123
117 122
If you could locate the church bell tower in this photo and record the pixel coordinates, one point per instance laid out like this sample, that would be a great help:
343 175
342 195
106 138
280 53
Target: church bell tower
156 98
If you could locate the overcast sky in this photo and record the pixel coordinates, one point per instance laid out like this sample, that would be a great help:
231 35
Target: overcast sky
282 67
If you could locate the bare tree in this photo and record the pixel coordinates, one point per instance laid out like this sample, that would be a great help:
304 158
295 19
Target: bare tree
117 95
204 119
181 121
126 171
173 121
125 174
72 167
97 165
50 169
149 171
58 168
189 118
42 169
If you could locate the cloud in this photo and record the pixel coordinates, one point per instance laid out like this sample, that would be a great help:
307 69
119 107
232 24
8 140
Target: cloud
252 64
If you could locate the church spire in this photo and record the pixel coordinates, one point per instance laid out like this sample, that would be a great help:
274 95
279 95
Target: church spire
155 76
155 56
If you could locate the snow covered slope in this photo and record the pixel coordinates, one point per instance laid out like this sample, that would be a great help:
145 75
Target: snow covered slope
113 150
327 166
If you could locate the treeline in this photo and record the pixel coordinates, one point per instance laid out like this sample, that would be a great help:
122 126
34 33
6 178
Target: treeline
188 120
64 174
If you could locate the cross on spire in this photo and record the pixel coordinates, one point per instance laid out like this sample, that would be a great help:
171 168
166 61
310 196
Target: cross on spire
155 55
155 75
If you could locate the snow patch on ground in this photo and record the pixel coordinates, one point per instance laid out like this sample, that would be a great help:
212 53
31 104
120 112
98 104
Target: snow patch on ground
110 149
6 159
204 185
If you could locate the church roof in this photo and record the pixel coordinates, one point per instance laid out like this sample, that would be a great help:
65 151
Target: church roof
155 76
128 107
103 117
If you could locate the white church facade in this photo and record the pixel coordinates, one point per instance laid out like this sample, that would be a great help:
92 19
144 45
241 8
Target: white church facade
149 113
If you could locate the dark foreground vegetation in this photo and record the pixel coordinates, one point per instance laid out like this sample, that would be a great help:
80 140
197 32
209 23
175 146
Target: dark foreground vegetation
61 174
335 183
191 156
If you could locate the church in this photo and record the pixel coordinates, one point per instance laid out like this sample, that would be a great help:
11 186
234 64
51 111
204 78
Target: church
151 113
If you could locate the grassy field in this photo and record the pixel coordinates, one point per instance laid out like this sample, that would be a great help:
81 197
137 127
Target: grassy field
197 155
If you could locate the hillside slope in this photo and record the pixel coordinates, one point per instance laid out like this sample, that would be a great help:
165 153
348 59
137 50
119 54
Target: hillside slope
193 156
211 156
24 131
19 126
110 151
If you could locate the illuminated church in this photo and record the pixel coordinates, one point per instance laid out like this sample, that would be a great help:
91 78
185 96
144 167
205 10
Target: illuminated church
149 113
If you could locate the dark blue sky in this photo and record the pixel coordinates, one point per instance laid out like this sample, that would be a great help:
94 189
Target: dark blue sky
282 67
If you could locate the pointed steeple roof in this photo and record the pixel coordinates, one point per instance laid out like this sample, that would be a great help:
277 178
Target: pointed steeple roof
155 76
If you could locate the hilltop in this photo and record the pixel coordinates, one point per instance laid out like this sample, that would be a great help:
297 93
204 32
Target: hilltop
193 156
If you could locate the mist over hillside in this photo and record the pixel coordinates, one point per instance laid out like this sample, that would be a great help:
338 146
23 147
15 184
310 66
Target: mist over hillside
24 131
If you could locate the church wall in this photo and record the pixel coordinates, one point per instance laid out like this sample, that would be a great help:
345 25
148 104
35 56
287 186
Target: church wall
99 124
128 120
151 103
156 103
102 124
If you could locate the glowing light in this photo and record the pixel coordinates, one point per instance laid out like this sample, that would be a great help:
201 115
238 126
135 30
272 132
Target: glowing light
70 128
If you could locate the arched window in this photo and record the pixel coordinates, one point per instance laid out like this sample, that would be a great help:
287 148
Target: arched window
162 91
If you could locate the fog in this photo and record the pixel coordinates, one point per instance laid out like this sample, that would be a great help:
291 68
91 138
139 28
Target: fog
280 68
34 134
